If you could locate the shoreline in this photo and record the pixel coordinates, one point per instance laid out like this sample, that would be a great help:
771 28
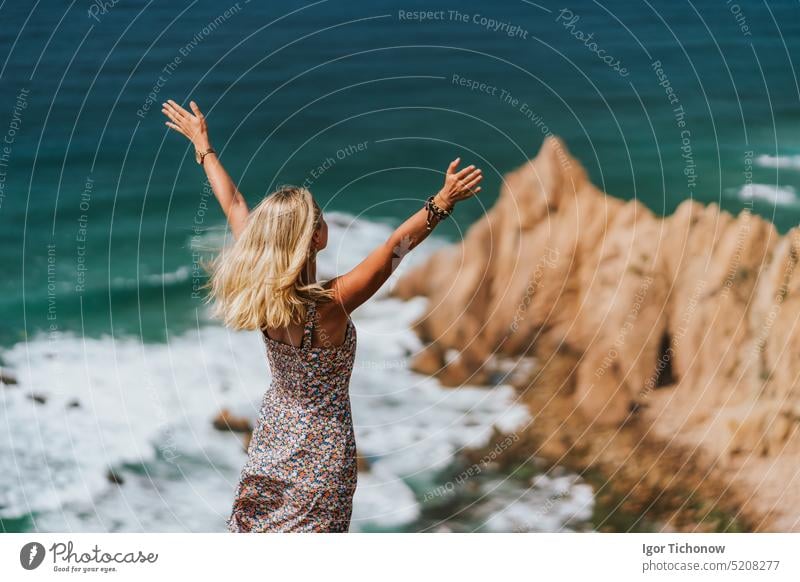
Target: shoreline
629 497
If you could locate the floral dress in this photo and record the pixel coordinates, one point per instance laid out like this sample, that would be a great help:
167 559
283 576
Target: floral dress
301 473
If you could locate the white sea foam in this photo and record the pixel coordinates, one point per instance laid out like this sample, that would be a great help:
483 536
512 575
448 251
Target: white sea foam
549 504
779 196
153 279
152 405
784 162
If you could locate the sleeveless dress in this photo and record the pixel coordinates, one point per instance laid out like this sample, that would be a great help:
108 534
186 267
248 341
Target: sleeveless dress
300 475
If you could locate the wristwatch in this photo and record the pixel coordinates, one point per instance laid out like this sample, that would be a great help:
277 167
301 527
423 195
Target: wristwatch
199 156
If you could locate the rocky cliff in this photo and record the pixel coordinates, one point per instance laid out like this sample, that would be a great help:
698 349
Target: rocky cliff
681 329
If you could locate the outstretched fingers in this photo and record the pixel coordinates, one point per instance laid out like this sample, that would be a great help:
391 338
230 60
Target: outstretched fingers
179 111
464 172
176 128
472 183
451 169
171 114
176 122
196 110
474 176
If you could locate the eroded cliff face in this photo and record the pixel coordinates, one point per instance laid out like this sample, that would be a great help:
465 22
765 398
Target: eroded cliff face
684 327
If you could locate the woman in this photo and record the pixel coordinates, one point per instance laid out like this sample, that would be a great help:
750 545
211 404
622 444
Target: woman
301 469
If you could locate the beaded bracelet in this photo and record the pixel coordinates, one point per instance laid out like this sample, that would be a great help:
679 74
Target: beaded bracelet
434 210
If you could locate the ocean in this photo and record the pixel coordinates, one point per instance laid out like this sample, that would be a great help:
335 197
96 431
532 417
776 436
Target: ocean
106 219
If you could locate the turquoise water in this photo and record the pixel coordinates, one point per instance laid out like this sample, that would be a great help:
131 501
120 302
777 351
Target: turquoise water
104 212
285 91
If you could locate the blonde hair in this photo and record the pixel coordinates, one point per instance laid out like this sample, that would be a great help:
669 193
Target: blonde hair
255 283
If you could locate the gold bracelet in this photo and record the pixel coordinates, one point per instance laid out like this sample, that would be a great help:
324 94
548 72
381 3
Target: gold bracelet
200 156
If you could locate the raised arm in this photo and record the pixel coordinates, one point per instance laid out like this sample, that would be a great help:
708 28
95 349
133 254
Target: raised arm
195 128
355 287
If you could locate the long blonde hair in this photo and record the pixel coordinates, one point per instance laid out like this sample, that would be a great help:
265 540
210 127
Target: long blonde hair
256 282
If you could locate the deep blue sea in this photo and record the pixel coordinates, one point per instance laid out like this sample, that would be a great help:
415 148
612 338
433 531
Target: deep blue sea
104 216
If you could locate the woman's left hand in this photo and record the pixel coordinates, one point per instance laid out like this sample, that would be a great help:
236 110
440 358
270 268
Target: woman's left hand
458 184
194 127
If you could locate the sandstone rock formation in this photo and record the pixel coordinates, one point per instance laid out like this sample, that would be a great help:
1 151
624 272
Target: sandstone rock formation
687 324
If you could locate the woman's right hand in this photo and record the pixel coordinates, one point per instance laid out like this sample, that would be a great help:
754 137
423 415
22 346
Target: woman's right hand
194 127
458 184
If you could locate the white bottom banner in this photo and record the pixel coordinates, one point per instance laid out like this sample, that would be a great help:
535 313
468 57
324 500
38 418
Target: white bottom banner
376 556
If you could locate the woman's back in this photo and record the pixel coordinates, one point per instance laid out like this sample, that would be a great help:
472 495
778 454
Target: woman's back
313 373
301 471
329 328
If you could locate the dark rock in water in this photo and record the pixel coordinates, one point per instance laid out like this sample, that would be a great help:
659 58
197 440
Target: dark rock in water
7 378
363 464
37 398
74 403
114 477
227 421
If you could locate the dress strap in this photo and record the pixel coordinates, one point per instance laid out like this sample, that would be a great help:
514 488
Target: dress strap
308 330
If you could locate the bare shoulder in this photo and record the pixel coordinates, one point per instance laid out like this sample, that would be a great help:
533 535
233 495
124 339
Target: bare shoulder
331 313
330 325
